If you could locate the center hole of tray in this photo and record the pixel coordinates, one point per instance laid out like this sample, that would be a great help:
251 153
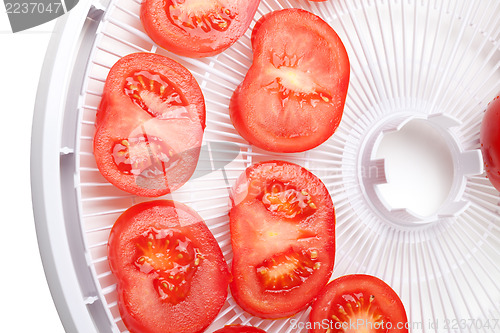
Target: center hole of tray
418 167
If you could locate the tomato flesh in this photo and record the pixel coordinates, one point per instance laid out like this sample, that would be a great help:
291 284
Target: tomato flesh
149 125
169 269
358 303
294 83
357 308
289 202
293 95
283 249
145 156
153 93
171 258
490 141
197 28
287 270
201 16
239 329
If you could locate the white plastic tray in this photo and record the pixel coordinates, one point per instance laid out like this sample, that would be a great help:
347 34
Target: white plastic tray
422 73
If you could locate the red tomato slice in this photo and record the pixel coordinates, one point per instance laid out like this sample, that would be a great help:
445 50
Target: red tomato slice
171 274
358 303
239 329
149 126
197 28
293 96
490 141
283 237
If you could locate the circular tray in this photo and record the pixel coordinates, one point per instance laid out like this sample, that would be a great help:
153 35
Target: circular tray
422 73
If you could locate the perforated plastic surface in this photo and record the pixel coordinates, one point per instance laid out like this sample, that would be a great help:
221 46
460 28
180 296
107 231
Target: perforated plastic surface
407 58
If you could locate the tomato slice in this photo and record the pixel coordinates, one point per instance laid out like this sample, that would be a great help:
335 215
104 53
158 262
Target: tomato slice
149 125
490 141
197 28
239 329
282 224
171 273
293 96
358 303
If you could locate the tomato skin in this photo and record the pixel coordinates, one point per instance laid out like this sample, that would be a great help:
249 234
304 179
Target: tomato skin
239 329
386 300
180 127
258 235
187 42
490 141
293 95
140 307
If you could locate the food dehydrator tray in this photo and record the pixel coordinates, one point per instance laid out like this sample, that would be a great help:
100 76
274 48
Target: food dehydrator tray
424 68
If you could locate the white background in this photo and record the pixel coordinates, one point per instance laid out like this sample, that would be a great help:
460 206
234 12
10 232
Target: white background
25 301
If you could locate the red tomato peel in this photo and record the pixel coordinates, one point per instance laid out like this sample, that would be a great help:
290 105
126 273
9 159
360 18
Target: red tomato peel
490 141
